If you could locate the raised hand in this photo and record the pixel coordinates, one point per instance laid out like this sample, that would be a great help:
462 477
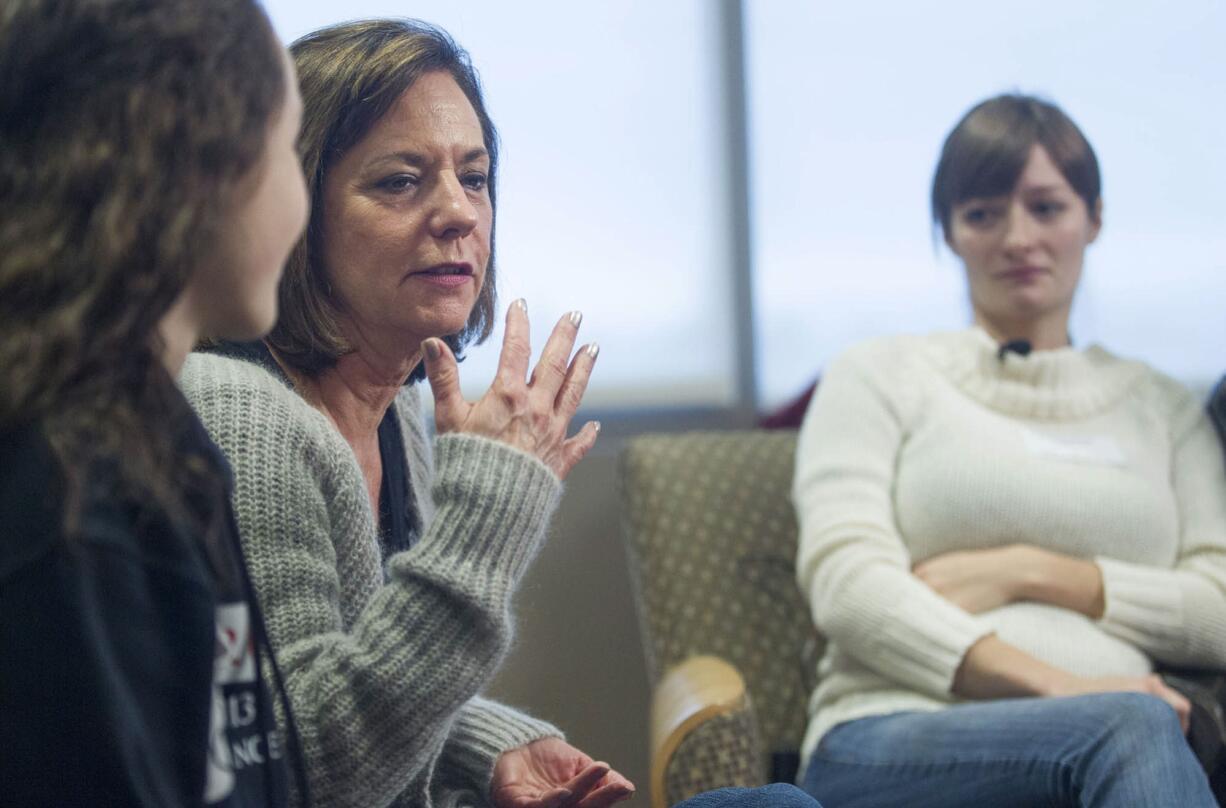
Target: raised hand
533 414
550 773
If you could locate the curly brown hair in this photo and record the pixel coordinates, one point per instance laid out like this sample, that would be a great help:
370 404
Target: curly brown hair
126 128
350 75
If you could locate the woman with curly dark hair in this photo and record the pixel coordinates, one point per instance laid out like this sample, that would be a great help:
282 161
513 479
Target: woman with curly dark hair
149 195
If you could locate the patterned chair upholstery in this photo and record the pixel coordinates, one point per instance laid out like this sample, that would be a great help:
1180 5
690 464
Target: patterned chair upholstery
730 648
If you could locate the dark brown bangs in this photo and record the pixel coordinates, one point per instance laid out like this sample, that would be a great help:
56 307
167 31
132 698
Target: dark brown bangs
987 151
985 160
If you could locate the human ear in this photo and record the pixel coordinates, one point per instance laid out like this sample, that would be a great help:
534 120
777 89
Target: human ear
1096 221
948 238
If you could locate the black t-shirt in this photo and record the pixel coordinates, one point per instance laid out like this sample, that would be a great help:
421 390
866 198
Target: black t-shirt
127 667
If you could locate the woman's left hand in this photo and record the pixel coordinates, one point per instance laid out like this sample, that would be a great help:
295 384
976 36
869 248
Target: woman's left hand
976 580
531 415
550 773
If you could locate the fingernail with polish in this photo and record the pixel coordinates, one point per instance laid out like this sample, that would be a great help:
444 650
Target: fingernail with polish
597 423
592 350
576 317
432 349
523 305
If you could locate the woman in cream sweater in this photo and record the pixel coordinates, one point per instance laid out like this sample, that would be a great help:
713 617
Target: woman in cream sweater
1001 534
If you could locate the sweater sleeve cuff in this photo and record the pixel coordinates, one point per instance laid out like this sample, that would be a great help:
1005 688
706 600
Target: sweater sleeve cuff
482 731
1141 604
493 503
928 656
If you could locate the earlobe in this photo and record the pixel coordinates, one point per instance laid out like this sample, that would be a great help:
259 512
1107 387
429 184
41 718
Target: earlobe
949 242
1096 221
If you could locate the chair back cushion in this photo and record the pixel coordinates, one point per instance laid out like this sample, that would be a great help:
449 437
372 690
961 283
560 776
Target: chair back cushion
711 536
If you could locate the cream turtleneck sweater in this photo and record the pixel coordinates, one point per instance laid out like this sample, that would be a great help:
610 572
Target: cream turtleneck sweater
918 446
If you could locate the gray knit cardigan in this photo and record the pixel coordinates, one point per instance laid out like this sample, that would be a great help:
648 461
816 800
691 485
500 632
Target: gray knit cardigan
383 664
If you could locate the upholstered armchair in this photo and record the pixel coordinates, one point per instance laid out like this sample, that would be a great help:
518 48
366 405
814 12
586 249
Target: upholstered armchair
730 648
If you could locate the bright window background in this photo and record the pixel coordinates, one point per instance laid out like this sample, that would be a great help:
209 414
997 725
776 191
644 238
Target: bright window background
611 190
850 103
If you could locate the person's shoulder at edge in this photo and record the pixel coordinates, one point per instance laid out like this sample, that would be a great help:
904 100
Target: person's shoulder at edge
229 393
883 368
1174 402
33 490
888 348
31 497
884 360
207 373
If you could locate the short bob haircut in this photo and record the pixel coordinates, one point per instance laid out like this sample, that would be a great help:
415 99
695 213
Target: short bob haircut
986 152
350 76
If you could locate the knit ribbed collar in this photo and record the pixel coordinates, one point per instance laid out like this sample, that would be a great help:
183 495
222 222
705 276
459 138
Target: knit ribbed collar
1059 384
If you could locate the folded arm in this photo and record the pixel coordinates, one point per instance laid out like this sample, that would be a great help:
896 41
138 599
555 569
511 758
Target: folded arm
852 563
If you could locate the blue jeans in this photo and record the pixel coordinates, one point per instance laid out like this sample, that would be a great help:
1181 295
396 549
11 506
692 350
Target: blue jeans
1107 749
778 795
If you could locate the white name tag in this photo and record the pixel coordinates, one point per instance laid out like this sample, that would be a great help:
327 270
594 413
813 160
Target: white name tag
1101 450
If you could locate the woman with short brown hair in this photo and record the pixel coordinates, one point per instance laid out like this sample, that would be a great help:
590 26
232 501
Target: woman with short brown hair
387 560
1001 534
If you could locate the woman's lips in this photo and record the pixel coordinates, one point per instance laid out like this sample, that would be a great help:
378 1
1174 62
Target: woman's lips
1021 274
442 280
445 275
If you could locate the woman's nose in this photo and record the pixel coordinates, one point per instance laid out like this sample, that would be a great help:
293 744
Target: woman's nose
453 214
1019 229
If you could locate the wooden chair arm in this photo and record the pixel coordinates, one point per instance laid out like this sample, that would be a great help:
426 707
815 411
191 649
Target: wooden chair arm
693 692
